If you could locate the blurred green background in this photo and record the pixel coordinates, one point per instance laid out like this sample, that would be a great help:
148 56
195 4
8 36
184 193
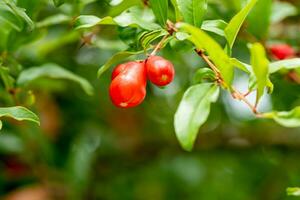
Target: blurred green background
88 149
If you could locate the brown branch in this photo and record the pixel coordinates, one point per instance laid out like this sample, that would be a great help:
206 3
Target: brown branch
235 93
239 96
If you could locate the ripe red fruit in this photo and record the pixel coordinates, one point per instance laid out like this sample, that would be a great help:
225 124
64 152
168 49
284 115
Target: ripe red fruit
159 70
282 51
128 86
119 69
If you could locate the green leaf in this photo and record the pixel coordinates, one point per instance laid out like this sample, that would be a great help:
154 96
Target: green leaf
177 11
54 20
293 191
258 25
193 111
147 37
8 80
19 113
133 17
53 71
289 119
88 21
116 58
284 64
204 42
193 11
58 2
240 65
160 10
260 65
282 10
236 22
9 17
20 12
203 74
215 26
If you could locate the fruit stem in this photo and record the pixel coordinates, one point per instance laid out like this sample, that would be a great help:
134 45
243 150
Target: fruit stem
159 45
171 29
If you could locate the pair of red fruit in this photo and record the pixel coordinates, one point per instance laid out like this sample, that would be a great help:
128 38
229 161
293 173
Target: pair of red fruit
129 80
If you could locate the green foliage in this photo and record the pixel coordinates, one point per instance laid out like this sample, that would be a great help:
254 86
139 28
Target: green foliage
293 191
236 23
259 26
288 119
203 41
53 71
116 58
260 65
148 37
203 74
84 148
193 111
215 26
18 113
193 11
160 10
284 65
134 17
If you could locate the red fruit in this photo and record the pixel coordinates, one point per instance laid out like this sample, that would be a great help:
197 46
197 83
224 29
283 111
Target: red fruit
119 69
282 51
128 87
159 70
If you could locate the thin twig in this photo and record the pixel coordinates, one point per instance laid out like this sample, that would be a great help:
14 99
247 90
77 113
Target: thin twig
235 93
247 93
212 66
159 45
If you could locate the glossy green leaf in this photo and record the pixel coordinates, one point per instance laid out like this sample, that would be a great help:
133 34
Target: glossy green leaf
203 41
284 64
116 58
193 111
133 17
160 10
203 74
293 191
282 10
53 71
236 23
19 113
289 119
193 11
215 26
260 65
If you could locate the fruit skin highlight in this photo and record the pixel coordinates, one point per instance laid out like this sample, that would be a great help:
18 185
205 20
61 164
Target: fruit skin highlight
160 71
128 86
282 51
